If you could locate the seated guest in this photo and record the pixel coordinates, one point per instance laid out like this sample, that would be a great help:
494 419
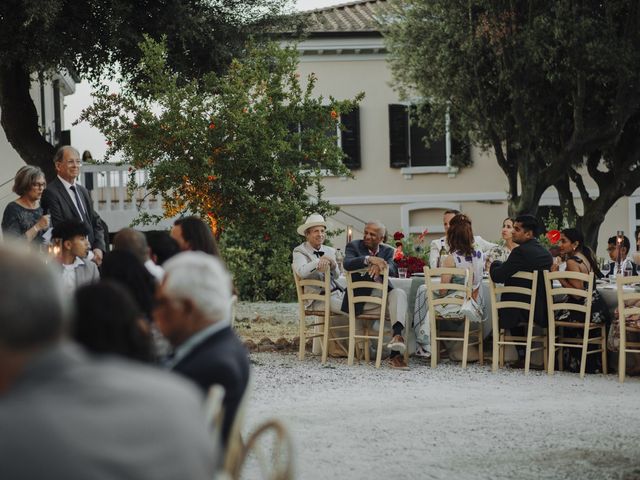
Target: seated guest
441 243
161 246
76 269
191 233
134 241
108 321
501 252
312 259
24 217
66 415
528 257
193 313
463 254
371 253
579 258
614 249
126 269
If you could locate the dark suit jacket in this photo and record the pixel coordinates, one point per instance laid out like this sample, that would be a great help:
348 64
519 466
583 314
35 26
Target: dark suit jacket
528 257
220 360
56 202
354 258
612 265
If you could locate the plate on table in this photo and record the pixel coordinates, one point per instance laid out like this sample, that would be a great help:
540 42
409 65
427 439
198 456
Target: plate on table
418 274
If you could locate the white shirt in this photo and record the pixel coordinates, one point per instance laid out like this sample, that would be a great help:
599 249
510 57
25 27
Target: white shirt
434 251
69 275
156 270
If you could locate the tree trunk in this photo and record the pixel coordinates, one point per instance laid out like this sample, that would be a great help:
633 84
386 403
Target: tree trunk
19 119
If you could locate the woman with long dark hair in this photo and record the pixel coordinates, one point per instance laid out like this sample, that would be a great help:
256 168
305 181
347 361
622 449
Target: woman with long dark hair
191 233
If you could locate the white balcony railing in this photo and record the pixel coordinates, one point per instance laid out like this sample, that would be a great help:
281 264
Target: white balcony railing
112 200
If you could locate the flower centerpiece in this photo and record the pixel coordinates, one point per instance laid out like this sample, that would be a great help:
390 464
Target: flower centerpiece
410 252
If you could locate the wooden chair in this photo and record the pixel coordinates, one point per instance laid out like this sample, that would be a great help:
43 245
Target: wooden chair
556 301
309 290
500 339
625 311
214 411
271 446
235 443
451 335
367 317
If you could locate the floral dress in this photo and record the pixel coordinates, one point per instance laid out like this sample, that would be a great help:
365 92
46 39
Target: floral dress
18 219
475 264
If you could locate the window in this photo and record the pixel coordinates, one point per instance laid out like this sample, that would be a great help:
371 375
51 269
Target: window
407 147
347 138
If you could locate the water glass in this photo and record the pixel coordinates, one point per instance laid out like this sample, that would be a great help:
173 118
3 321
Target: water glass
402 272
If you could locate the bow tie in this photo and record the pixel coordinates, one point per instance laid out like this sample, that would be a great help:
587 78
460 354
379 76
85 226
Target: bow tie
318 253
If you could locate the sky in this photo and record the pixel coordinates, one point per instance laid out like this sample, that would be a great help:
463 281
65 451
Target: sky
83 137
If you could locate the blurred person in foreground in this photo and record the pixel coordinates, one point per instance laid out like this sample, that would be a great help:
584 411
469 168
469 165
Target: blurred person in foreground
193 234
107 320
193 312
76 269
67 416
134 241
24 216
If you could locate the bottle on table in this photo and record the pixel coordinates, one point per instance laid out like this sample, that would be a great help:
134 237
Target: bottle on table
441 256
340 260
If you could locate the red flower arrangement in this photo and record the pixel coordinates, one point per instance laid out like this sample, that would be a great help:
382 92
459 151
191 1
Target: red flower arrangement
413 263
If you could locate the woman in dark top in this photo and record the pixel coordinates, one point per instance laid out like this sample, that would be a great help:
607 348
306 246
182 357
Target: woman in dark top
24 217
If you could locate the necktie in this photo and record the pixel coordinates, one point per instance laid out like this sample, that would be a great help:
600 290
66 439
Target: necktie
79 203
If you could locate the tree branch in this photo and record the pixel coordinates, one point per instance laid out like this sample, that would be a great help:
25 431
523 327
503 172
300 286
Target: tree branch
19 119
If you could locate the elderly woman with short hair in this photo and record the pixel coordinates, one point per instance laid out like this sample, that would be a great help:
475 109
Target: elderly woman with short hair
24 217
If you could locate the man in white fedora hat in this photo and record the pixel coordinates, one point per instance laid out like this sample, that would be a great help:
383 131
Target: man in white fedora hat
312 259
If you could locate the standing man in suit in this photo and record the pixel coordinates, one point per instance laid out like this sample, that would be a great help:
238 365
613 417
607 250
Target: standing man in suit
64 199
65 414
372 254
193 311
528 257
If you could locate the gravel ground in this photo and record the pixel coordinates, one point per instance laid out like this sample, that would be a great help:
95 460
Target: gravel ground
447 423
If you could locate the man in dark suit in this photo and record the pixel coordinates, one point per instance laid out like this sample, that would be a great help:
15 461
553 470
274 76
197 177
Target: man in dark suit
372 254
64 199
527 257
613 249
193 312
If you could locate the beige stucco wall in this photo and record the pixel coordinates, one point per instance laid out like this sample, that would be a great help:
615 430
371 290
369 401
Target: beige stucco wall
378 191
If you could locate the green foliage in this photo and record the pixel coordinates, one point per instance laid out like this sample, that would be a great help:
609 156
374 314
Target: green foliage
230 148
545 84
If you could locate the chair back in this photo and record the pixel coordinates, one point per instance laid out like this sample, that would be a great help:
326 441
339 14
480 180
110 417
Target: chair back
214 411
625 298
271 446
308 290
430 276
235 444
557 297
358 283
528 304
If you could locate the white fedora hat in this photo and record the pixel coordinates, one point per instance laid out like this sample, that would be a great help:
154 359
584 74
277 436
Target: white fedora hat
313 220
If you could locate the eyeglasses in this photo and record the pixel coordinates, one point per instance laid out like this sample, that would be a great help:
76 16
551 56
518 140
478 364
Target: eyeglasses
74 162
39 185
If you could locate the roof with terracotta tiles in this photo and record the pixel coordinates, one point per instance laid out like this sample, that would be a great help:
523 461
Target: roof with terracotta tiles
357 16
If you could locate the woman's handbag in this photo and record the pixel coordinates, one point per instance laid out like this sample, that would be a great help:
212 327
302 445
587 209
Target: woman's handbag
471 310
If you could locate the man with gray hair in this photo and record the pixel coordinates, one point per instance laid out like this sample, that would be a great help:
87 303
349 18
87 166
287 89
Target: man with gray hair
65 199
193 311
66 415
372 254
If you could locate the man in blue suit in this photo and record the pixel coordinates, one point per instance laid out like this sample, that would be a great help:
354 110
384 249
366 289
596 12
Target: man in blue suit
372 254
